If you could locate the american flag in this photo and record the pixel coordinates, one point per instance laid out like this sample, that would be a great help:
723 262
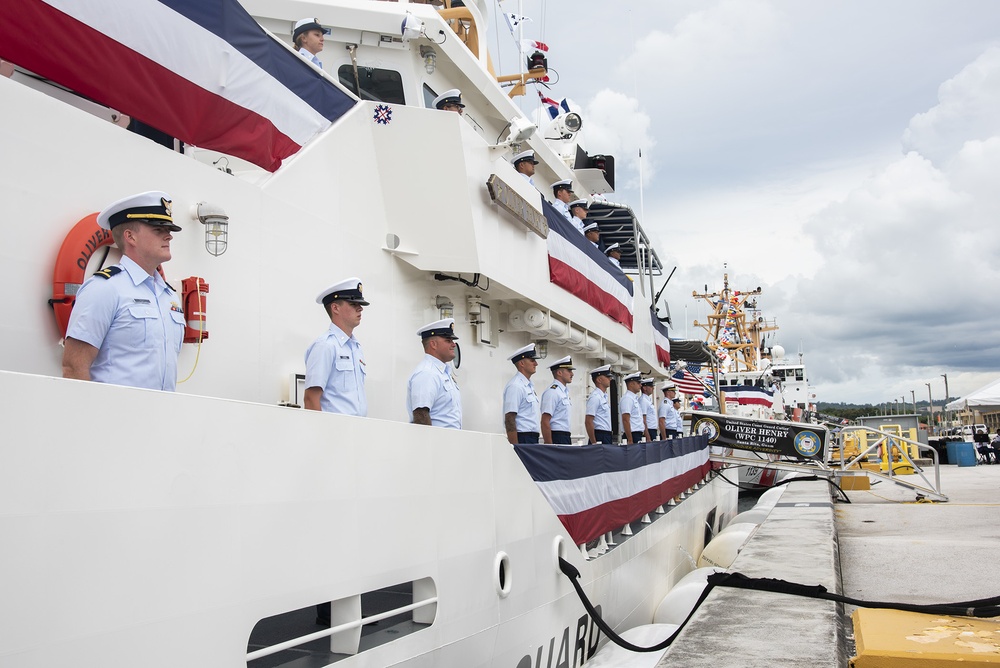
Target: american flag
598 488
208 74
688 383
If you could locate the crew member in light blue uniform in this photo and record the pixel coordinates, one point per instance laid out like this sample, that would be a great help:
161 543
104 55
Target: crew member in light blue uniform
562 192
614 253
520 403
669 418
578 214
556 405
335 364
307 35
593 234
524 162
127 325
432 395
631 411
648 407
598 415
450 100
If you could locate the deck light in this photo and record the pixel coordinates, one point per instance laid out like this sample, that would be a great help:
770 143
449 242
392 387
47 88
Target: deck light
216 222
411 28
445 307
430 58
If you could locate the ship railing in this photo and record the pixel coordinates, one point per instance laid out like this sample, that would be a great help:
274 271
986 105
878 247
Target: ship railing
883 448
345 614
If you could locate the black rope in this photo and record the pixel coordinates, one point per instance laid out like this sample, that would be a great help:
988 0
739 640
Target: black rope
983 607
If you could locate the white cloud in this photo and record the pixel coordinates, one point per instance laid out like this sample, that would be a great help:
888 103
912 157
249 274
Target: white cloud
967 110
614 122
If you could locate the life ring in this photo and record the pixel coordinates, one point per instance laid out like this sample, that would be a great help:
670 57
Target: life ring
80 244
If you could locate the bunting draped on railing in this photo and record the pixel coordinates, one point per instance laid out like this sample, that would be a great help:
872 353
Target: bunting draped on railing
599 488
661 342
578 266
202 71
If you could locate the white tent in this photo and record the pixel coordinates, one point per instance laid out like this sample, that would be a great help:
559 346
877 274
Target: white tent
985 397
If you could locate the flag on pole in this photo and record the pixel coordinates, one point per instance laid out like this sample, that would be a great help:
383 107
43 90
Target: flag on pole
688 383
532 45
513 20
551 105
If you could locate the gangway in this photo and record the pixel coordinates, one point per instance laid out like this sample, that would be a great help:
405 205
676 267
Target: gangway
885 443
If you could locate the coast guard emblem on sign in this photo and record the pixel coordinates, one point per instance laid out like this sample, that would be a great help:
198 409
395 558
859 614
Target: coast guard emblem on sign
807 443
383 114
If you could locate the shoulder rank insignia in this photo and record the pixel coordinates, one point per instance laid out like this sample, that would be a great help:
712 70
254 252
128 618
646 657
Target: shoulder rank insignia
554 386
108 272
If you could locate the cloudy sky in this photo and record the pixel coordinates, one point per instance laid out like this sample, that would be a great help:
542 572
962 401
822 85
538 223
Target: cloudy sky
844 156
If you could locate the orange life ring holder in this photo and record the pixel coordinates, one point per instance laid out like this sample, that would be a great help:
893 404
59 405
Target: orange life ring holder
80 244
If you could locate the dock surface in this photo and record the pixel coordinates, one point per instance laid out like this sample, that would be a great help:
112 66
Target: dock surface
883 546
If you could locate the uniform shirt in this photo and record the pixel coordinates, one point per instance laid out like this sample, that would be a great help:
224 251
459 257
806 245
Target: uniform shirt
335 363
431 386
519 397
311 57
137 325
599 406
629 405
649 411
555 402
527 178
563 208
577 223
671 418
615 262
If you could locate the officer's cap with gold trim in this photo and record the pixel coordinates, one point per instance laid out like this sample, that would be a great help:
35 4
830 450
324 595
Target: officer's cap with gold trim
564 363
348 289
591 227
565 184
525 353
582 203
613 248
443 328
152 208
601 371
453 96
669 387
649 381
637 377
523 156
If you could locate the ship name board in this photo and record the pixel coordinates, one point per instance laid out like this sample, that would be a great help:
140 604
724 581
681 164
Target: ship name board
506 198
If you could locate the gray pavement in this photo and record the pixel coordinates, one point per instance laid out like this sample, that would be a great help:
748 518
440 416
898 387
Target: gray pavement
882 546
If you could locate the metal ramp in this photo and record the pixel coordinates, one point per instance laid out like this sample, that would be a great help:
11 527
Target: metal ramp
885 444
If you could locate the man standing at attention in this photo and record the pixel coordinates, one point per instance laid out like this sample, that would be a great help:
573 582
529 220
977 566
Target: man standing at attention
432 396
308 39
598 417
562 193
335 365
520 403
127 325
578 211
631 412
669 418
524 163
556 404
648 409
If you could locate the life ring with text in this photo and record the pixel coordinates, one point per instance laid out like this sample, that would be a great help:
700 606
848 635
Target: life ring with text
77 248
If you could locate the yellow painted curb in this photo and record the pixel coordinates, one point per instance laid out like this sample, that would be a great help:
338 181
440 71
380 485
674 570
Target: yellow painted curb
892 639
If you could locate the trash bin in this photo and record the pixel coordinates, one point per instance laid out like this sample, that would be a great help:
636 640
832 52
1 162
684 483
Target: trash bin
951 449
966 453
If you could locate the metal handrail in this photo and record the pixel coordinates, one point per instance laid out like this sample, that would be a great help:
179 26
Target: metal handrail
301 640
887 440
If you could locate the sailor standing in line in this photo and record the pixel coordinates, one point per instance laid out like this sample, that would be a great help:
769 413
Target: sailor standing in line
669 418
598 417
648 408
127 325
631 410
308 39
556 404
614 253
562 192
335 364
524 163
593 234
520 403
578 211
450 100
432 396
